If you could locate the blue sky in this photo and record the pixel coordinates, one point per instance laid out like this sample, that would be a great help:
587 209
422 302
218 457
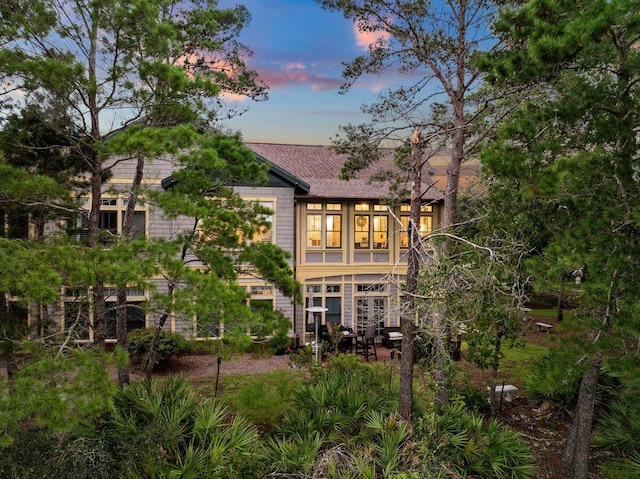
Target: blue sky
298 49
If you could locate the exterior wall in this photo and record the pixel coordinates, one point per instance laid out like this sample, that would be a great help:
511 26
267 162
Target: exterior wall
360 284
369 280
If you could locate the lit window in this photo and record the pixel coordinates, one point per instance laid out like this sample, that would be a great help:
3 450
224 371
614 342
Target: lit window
371 231
324 228
404 234
380 231
362 231
314 231
334 231
426 226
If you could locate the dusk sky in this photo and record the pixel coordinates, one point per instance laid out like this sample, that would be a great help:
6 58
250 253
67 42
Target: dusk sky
298 49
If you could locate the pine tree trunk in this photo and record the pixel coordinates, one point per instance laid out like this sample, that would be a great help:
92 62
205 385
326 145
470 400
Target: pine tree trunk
411 287
150 360
99 306
121 335
121 304
576 453
441 356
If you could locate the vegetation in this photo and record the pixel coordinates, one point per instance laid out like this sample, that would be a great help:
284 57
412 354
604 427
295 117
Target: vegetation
275 424
170 345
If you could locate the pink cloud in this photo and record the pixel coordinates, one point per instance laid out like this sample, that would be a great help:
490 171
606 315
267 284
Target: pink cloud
297 74
364 37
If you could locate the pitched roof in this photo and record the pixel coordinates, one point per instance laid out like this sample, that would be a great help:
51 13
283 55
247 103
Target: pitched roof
319 167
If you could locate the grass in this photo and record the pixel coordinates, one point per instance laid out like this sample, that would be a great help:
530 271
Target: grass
547 312
517 361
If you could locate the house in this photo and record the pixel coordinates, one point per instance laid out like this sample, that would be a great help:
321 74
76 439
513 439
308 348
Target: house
348 248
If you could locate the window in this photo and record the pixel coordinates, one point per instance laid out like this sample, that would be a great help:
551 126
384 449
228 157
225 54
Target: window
265 234
334 231
77 318
314 231
261 290
371 231
135 310
334 311
324 226
362 231
380 231
209 327
426 223
111 221
15 224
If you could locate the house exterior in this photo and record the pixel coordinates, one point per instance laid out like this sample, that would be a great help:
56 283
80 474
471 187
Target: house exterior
347 248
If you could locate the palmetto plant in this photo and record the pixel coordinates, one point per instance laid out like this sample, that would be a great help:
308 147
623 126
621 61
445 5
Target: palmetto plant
619 429
393 434
334 406
458 441
294 454
177 435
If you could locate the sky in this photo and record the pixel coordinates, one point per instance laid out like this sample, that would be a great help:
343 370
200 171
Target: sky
298 50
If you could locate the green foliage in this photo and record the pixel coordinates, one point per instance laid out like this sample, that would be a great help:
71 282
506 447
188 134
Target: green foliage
301 357
264 399
624 468
294 454
166 431
337 402
211 347
40 453
59 391
556 377
518 359
170 345
618 430
464 443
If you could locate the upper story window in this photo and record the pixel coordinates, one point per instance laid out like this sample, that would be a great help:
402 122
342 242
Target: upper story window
265 234
426 223
111 221
371 226
324 225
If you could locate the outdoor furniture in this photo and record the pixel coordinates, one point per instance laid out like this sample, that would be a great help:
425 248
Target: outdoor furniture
390 336
544 327
506 391
395 339
366 344
348 338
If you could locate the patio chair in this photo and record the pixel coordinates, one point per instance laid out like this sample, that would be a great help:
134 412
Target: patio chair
366 344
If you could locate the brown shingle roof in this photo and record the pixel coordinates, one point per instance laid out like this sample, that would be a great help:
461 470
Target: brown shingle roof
319 166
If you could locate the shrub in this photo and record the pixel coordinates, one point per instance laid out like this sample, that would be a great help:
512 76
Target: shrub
170 345
166 431
264 399
40 453
468 446
555 378
618 430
